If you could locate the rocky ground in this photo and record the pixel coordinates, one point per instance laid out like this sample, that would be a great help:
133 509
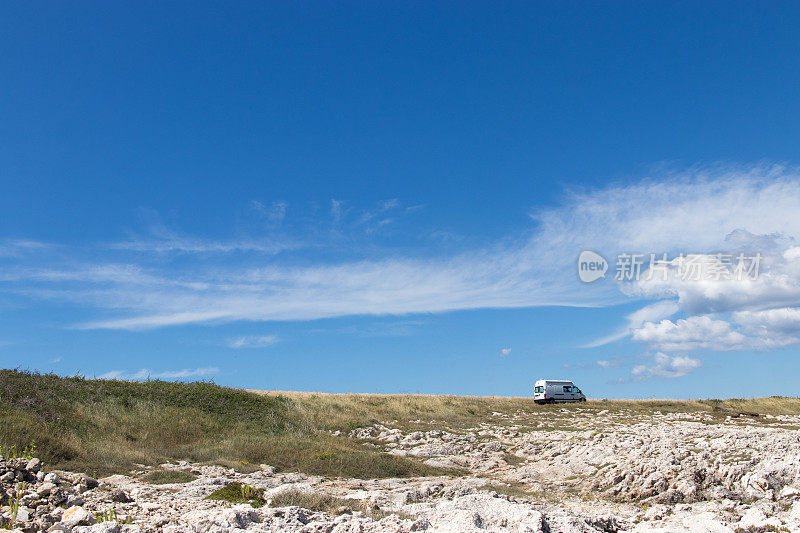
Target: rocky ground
557 470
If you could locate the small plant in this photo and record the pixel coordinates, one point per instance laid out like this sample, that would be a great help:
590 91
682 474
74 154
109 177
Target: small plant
8 452
14 504
238 493
249 493
323 456
29 452
111 516
11 452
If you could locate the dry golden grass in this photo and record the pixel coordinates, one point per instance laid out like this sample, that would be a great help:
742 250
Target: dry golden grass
349 411
343 411
107 426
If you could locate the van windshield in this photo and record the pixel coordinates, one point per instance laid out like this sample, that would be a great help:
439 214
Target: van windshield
538 389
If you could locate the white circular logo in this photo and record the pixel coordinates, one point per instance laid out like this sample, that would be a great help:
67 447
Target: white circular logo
591 266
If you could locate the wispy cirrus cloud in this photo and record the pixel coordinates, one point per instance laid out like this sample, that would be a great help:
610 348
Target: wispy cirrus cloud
18 247
655 311
183 244
275 212
253 341
700 210
165 374
391 328
161 239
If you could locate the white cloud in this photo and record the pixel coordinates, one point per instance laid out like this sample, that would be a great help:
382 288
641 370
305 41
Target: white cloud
654 311
666 366
370 287
772 328
505 351
275 212
162 240
781 320
393 328
186 244
693 333
692 211
777 284
112 374
253 341
728 313
614 362
699 210
278 211
336 211
167 374
19 247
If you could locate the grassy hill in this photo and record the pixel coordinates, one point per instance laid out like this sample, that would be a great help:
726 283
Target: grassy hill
107 426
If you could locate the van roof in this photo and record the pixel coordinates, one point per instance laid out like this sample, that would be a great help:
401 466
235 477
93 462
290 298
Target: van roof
555 381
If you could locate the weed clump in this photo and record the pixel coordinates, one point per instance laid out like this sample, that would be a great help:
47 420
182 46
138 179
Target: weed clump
237 493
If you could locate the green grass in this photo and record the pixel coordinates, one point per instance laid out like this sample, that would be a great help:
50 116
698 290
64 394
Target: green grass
237 493
108 426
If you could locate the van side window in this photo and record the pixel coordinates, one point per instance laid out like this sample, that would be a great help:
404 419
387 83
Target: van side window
567 388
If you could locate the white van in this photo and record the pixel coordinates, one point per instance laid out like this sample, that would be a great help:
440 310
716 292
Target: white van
556 390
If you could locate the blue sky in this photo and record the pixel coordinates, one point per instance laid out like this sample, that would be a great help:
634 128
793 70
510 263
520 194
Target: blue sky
392 197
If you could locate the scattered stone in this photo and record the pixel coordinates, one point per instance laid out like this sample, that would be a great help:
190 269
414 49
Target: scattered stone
34 465
73 500
45 489
119 495
90 482
77 516
566 470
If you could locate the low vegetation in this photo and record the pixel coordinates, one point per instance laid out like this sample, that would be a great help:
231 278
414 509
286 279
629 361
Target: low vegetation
314 501
165 477
238 493
109 426
421 412
111 515
331 505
